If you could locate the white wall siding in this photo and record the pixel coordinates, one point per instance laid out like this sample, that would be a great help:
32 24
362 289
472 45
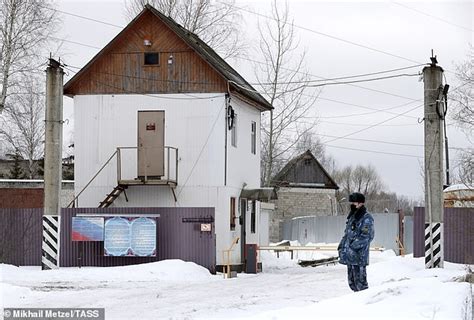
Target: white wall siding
111 121
244 166
197 128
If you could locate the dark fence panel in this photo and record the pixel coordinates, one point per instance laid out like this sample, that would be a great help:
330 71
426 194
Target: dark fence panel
178 237
458 235
20 236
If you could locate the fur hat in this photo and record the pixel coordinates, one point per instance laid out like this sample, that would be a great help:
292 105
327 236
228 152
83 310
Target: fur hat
357 197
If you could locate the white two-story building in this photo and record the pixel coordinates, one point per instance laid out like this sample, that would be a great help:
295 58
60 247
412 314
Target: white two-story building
165 122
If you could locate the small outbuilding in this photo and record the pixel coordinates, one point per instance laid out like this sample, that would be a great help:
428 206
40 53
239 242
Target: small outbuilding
305 188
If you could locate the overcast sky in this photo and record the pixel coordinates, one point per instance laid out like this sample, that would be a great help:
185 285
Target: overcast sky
337 36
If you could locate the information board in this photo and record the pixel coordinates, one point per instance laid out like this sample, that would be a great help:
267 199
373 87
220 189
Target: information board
130 236
87 229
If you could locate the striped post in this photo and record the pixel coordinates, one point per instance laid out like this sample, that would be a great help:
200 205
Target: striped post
50 245
434 256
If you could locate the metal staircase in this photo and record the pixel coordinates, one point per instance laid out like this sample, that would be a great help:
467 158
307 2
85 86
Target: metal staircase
170 179
110 198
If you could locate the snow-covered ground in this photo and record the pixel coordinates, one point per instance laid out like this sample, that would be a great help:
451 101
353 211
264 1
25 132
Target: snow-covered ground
399 288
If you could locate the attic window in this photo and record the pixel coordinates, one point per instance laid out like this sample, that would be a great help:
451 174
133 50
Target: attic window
151 58
307 162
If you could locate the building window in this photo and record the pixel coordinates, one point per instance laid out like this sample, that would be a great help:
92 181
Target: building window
151 58
232 213
233 132
253 137
307 162
253 216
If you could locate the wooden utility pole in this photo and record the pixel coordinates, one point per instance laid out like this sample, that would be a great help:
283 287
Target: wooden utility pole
434 137
52 165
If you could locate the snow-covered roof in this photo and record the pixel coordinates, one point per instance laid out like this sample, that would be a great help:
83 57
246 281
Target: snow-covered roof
461 186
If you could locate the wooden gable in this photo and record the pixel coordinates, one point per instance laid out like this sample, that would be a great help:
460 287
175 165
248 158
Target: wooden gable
306 172
119 68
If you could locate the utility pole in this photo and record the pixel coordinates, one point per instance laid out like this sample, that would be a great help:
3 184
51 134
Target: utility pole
52 165
434 136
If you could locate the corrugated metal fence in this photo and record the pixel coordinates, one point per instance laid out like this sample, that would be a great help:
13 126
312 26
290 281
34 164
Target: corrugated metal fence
330 229
458 234
178 237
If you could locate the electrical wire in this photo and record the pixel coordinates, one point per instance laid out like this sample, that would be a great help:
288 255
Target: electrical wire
335 83
365 125
191 97
373 151
213 84
324 34
110 24
369 108
432 16
339 78
374 125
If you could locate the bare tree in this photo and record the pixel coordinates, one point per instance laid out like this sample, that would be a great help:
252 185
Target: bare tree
311 141
216 22
463 115
463 112
284 81
22 126
363 179
25 29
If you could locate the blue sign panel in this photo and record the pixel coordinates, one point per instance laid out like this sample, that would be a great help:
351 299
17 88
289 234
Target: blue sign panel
87 229
143 242
117 237
130 237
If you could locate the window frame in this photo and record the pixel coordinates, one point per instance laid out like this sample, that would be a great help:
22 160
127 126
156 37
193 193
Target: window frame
151 64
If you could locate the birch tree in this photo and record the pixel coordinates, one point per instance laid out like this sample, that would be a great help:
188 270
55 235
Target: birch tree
217 23
25 29
22 126
284 82
463 115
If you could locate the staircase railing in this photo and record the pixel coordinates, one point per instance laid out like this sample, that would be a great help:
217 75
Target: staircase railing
71 204
168 154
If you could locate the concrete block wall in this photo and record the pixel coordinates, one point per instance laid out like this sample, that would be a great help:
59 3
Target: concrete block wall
300 202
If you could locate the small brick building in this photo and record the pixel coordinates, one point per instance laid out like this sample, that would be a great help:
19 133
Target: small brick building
304 189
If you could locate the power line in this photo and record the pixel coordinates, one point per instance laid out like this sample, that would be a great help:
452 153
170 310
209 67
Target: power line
190 82
87 18
373 151
367 80
369 108
75 42
325 34
382 141
212 84
149 79
336 83
191 97
110 24
365 125
374 125
432 16
340 78
313 75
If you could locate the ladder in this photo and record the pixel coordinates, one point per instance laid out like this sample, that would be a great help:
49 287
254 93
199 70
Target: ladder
110 198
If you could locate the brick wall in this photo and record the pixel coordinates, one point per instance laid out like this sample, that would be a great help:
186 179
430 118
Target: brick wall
299 202
21 198
30 193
